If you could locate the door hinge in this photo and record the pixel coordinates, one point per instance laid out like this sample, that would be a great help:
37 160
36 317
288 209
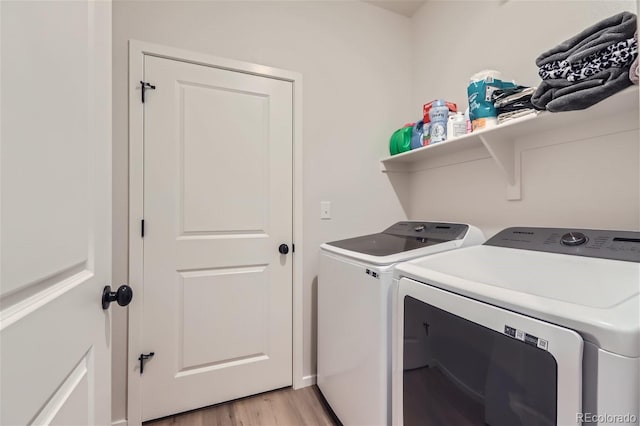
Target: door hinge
142 228
142 358
146 86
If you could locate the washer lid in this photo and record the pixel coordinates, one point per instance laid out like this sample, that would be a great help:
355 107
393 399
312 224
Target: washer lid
596 297
402 237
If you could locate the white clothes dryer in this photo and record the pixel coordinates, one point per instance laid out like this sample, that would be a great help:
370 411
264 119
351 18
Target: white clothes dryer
354 307
538 326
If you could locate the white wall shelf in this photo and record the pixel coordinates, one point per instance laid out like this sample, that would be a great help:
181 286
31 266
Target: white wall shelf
505 143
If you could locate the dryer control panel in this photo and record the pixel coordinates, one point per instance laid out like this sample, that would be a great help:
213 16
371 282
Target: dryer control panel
604 244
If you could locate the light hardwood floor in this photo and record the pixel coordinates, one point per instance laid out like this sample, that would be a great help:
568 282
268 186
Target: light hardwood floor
280 407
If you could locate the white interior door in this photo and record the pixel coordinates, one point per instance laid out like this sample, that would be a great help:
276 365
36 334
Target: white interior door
217 301
56 212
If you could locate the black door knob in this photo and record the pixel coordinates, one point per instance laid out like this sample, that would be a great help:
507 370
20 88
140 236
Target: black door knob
123 296
283 249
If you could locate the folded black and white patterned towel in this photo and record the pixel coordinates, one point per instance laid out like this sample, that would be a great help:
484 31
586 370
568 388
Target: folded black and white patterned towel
620 54
562 95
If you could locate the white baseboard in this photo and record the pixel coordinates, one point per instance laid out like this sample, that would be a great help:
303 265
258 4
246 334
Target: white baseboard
122 422
305 381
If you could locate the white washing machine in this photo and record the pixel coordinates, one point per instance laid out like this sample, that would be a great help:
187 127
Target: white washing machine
537 326
354 306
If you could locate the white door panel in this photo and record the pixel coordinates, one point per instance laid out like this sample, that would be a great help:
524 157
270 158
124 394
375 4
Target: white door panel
69 404
217 204
238 316
230 131
42 200
56 212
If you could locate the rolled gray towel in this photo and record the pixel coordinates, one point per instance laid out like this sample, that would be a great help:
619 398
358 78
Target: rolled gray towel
561 95
593 39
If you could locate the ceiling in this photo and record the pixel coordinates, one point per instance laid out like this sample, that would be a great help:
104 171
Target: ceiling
402 7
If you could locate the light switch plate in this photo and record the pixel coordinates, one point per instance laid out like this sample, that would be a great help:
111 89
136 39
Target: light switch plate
325 210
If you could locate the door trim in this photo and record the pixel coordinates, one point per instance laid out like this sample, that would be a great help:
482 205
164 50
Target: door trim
137 52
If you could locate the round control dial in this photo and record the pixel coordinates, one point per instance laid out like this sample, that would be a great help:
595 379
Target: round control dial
419 228
573 239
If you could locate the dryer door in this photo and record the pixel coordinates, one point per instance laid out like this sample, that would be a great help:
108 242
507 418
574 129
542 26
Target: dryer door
463 362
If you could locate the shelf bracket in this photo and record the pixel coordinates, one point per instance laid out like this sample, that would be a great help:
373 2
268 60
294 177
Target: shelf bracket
507 156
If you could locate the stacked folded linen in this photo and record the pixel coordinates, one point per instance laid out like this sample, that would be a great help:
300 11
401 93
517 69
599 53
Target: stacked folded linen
513 102
588 67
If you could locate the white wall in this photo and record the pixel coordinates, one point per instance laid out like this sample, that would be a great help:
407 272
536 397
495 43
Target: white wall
356 65
586 183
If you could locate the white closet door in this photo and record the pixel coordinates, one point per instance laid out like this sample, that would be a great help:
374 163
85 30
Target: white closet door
217 205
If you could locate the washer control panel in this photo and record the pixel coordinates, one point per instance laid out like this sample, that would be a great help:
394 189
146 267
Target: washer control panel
604 244
436 230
